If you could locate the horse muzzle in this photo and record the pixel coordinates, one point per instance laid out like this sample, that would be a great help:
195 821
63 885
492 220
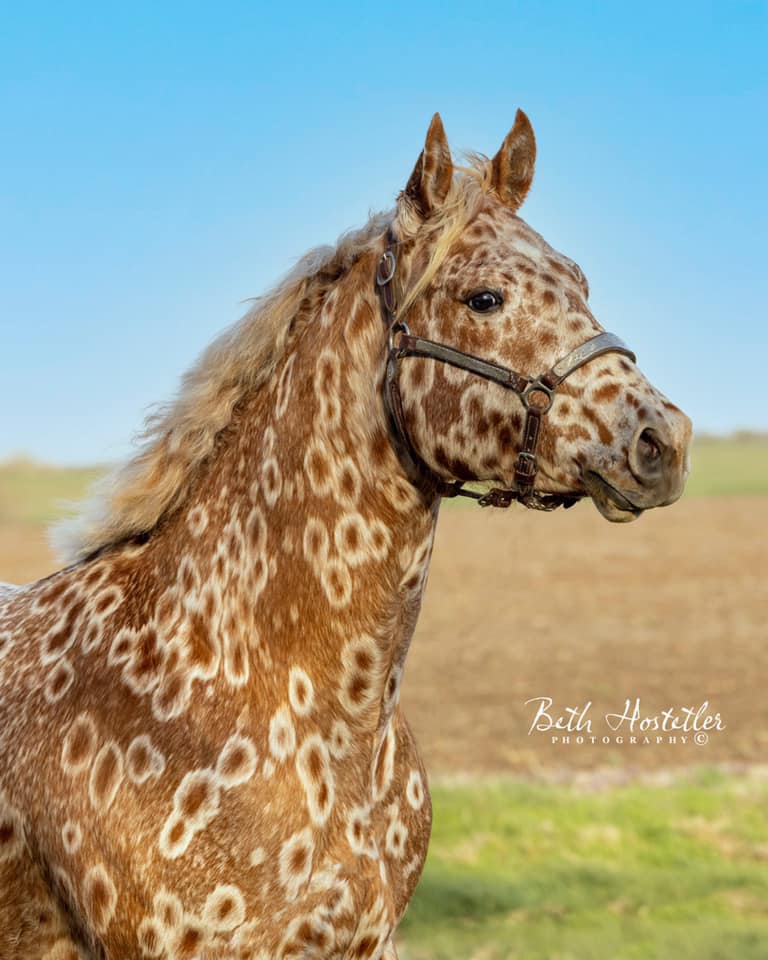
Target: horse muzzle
658 463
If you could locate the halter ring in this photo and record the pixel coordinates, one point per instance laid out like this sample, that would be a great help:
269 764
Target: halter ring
536 386
399 326
386 269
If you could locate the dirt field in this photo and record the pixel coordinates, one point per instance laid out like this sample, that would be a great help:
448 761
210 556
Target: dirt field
672 609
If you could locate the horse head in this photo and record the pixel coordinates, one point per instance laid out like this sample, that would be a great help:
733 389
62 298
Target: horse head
477 296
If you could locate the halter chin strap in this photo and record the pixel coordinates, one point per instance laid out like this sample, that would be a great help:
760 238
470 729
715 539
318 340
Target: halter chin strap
535 393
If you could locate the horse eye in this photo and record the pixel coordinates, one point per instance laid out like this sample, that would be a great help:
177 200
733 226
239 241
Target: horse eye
484 301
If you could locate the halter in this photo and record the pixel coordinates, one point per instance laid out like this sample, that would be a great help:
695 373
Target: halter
535 393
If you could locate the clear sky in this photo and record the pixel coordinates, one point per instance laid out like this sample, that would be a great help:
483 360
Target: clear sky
161 162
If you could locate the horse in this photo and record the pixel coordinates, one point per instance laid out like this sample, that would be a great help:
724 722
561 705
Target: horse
203 750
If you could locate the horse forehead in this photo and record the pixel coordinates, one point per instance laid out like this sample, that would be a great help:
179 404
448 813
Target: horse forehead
499 236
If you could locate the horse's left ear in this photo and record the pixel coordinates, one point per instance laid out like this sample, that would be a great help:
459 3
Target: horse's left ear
433 173
512 167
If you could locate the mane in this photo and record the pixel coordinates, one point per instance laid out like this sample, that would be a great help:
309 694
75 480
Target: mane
180 435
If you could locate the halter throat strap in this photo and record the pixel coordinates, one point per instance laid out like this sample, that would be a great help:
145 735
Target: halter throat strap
535 393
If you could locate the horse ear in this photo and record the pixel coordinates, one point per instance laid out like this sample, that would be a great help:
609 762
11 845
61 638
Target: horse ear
433 173
512 167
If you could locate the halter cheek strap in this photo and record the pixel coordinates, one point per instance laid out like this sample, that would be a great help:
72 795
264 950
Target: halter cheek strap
535 393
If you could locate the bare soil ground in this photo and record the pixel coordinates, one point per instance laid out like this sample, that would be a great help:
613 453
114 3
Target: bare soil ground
672 609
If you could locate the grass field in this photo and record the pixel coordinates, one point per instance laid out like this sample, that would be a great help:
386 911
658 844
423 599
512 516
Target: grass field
734 465
519 871
35 494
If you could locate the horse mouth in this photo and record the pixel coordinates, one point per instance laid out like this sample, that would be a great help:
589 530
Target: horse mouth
611 503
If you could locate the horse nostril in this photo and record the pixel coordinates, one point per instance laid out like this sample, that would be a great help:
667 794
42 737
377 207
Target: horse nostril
649 446
646 456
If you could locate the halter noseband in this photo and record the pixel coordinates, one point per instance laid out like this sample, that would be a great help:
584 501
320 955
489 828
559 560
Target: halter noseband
401 344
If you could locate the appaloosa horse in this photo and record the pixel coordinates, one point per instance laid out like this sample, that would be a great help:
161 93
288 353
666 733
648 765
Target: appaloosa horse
202 749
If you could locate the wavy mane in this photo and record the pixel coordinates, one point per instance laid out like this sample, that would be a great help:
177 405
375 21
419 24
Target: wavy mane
179 435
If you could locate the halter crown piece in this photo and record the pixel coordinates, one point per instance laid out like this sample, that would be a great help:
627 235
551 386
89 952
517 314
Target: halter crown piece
535 393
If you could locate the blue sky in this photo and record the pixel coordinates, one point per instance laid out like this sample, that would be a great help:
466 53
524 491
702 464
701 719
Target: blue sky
160 163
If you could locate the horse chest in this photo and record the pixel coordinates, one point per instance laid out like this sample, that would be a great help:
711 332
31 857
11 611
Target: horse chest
257 864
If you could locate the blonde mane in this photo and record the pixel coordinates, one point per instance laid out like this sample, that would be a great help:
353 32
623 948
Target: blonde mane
180 435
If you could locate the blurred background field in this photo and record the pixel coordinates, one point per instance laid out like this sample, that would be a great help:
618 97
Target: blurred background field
733 465
674 869
551 851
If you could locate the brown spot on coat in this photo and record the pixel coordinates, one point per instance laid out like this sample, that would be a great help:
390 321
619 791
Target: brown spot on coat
606 393
605 435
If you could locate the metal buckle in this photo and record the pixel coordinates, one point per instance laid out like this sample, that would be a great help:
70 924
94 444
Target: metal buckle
536 386
399 326
386 268
531 467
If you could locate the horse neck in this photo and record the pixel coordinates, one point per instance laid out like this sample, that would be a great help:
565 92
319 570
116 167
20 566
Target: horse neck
303 544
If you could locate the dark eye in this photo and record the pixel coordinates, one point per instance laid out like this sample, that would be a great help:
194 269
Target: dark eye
484 301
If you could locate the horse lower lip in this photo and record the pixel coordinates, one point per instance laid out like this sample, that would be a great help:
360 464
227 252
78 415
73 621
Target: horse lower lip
594 482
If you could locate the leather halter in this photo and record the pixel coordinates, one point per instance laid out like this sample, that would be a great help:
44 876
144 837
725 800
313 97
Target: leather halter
535 393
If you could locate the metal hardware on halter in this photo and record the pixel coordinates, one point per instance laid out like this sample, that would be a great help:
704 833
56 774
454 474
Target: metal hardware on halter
385 275
399 326
386 269
526 465
536 386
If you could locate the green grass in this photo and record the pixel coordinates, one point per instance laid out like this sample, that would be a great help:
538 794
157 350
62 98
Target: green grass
729 465
638 873
33 493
